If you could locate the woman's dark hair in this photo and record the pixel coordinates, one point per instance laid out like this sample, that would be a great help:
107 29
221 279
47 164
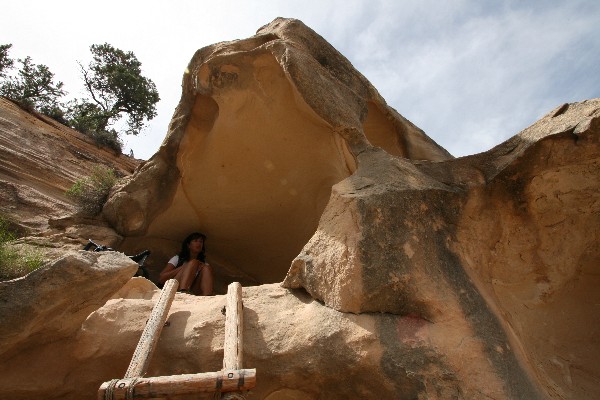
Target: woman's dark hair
184 253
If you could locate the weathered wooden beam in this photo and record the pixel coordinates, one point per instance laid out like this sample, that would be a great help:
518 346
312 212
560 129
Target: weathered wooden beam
145 347
175 385
234 338
234 322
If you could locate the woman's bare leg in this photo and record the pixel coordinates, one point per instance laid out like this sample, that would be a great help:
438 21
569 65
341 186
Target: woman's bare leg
203 285
206 280
179 278
187 274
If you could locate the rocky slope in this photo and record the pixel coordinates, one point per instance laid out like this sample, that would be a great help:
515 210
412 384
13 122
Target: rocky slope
406 273
39 160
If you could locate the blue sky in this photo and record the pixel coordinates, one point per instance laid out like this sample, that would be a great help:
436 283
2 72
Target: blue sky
469 73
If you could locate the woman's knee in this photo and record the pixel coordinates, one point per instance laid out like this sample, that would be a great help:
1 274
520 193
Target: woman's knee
191 266
205 272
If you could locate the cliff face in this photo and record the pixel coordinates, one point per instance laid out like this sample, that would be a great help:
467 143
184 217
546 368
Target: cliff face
39 160
501 246
405 273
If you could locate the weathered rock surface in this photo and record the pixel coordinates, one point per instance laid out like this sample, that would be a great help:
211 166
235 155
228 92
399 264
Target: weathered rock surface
39 160
425 276
505 242
50 303
301 349
264 128
530 240
402 231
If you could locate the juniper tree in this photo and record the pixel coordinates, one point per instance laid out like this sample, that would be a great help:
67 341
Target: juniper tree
117 91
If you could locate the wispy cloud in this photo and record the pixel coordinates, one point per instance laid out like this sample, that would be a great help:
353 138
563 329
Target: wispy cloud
471 73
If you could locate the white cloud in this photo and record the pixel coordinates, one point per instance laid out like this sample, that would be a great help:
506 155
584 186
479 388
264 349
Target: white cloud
470 73
487 76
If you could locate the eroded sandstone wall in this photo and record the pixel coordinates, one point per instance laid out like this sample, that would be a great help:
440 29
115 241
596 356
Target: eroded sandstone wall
531 240
414 275
39 160
301 348
500 248
265 127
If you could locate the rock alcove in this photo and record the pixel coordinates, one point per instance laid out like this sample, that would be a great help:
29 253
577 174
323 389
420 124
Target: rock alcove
264 129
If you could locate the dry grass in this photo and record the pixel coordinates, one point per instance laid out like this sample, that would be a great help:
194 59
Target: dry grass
15 261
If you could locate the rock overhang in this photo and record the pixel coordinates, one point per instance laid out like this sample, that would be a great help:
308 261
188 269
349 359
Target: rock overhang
264 129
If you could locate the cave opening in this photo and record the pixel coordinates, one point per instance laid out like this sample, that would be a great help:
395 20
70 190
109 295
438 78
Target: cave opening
257 166
255 177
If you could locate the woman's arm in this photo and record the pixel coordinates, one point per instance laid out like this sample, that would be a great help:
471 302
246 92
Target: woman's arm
168 273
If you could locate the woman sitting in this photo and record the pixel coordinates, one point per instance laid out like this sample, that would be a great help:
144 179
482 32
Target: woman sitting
189 267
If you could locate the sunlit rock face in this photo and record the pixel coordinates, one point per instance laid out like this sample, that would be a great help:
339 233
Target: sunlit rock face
284 154
50 303
499 247
39 160
265 127
300 348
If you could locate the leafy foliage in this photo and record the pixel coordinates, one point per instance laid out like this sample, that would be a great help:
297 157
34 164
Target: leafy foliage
120 99
90 193
34 88
6 63
118 91
85 118
15 262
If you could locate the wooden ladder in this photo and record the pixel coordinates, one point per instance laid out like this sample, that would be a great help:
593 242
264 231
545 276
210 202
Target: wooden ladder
231 379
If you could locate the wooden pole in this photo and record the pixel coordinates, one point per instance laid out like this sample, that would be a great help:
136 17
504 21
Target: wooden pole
234 338
175 385
145 348
234 321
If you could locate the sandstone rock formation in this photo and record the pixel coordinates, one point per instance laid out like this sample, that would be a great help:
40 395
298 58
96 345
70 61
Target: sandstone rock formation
413 275
39 160
503 245
301 349
51 302
265 127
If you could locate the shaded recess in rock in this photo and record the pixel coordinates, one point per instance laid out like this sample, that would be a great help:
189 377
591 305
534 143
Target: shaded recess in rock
264 129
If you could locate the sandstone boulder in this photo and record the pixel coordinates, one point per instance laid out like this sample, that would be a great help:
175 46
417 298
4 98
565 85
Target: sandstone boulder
50 303
300 348
505 241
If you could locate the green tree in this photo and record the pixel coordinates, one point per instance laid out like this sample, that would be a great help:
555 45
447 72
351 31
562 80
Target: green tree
33 87
118 93
6 62
86 118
